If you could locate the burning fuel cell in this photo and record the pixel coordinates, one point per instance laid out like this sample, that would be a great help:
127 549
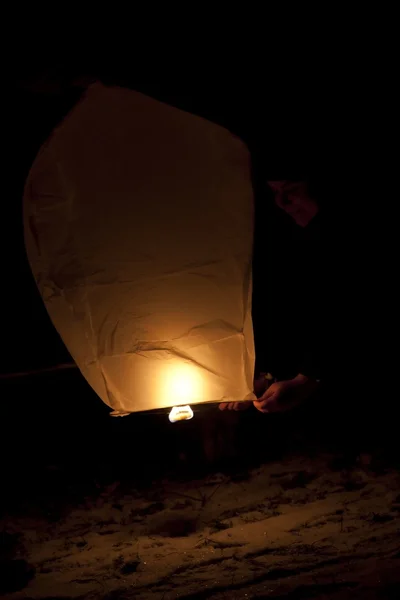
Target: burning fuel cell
181 413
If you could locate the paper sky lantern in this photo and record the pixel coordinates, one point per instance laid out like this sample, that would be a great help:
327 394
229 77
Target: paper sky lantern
138 225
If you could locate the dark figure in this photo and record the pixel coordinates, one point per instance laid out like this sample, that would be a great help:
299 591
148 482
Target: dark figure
298 299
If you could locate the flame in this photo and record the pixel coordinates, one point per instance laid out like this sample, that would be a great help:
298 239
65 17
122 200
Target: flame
181 384
181 413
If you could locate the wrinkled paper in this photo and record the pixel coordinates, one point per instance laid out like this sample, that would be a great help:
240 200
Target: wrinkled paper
138 223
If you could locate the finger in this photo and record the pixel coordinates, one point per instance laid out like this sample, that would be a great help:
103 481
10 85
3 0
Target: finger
268 402
273 405
260 408
241 405
228 406
267 394
260 405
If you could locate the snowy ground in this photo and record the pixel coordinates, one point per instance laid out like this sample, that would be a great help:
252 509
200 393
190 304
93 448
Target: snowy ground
227 505
298 528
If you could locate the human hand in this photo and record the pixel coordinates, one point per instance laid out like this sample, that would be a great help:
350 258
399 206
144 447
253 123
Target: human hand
285 395
260 386
243 405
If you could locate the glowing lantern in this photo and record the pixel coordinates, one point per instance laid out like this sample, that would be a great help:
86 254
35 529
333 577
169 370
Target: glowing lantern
139 227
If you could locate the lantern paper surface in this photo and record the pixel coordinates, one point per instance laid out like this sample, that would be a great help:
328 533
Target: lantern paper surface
138 225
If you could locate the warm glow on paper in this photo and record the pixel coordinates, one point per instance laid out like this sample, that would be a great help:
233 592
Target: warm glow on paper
138 221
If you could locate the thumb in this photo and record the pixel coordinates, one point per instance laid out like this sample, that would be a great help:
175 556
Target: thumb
269 392
267 400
